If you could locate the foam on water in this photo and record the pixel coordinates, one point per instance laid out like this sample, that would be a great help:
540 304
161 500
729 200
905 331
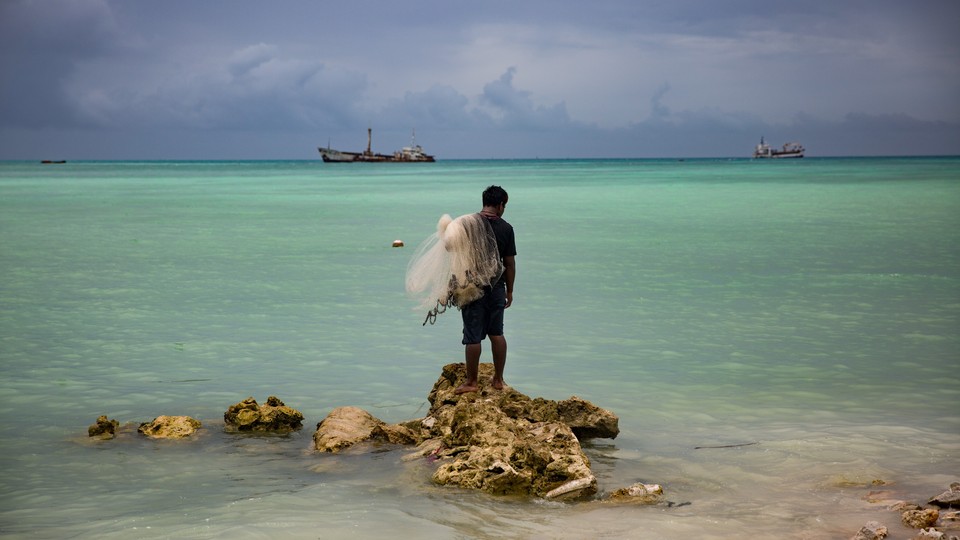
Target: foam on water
807 310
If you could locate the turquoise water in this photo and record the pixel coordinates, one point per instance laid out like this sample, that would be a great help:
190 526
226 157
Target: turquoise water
811 306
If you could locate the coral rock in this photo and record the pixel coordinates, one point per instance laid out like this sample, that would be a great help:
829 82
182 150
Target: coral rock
273 416
169 427
919 519
498 441
931 534
503 442
871 531
949 498
638 494
344 427
103 428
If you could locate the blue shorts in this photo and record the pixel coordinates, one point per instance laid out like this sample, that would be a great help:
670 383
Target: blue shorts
484 317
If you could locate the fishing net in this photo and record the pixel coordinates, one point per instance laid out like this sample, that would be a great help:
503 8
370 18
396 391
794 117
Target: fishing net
453 265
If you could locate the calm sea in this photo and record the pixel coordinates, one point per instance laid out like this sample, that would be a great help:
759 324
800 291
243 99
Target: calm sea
811 307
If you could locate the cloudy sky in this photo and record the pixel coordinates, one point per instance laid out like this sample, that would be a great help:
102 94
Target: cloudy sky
239 79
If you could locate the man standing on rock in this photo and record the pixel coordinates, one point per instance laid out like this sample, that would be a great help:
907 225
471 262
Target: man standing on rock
469 264
484 317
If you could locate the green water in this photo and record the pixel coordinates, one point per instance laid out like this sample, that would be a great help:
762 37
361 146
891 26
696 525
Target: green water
812 306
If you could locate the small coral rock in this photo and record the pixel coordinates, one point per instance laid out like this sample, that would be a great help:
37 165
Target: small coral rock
949 498
169 427
587 420
344 427
920 519
871 531
273 416
103 428
639 494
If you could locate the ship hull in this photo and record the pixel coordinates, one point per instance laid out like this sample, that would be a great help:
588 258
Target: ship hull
783 155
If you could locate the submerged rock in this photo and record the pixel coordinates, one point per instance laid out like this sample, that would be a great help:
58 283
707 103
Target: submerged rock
273 416
169 427
638 494
103 428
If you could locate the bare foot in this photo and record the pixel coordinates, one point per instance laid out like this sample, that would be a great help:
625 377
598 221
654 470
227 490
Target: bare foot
497 384
466 388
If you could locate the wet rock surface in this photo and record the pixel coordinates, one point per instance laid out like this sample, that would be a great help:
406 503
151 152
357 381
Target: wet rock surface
871 531
273 417
934 522
169 427
949 498
343 428
638 494
103 428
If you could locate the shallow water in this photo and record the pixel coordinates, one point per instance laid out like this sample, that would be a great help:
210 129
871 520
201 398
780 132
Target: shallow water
811 306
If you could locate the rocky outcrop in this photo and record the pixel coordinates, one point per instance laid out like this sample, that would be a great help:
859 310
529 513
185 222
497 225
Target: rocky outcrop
498 441
929 521
169 427
273 417
103 428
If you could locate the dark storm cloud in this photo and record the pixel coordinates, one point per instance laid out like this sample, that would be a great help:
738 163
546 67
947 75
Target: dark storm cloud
41 45
103 78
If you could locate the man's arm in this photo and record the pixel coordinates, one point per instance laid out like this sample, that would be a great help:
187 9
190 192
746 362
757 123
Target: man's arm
509 273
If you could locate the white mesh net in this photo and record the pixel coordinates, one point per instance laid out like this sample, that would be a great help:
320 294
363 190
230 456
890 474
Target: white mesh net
453 265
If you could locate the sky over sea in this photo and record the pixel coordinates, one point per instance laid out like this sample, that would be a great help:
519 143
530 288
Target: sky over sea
239 79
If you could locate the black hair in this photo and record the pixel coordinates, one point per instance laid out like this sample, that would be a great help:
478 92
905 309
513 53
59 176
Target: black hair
494 196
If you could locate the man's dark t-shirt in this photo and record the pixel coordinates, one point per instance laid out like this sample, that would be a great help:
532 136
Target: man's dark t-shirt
506 243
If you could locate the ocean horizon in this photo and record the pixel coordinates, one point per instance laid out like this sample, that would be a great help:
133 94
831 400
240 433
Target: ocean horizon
810 308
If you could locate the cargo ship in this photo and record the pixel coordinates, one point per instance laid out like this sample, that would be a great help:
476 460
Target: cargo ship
789 150
408 154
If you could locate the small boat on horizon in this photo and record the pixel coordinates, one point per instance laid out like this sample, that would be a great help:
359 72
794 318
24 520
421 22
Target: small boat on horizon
408 154
789 150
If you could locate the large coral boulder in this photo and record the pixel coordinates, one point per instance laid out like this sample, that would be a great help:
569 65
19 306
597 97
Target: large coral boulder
498 441
488 450
169 427
273 416
504 442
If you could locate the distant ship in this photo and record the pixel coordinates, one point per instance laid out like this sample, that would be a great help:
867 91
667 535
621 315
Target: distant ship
408 154
789 150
